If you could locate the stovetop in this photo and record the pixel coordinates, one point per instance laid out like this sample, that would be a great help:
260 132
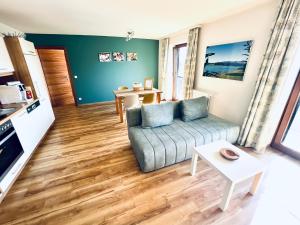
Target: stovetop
6 112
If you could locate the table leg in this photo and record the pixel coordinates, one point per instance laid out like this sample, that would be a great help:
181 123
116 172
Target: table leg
120 109
117 104
194 163
227 195
158 95
255 184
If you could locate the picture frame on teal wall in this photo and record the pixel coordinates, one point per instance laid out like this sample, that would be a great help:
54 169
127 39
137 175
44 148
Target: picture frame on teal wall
118 56
132 56
104 56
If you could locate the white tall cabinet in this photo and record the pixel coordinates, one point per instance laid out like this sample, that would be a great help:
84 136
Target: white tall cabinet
35 69
6 66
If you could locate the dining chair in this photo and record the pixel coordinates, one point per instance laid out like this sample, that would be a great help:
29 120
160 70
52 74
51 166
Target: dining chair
122 88
131 101
149 98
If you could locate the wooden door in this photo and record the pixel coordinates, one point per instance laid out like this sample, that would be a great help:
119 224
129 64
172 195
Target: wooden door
57 76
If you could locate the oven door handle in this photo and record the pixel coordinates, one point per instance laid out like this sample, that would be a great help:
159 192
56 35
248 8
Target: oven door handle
6 138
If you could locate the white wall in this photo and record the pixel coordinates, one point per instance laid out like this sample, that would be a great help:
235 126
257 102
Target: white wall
7 29
230 99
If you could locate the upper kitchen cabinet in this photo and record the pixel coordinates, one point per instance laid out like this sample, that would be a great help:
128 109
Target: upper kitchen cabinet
6 66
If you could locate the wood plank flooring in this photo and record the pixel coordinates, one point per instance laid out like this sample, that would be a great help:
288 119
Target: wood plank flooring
85 173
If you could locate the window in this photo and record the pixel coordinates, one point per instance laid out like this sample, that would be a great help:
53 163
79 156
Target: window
288 132
179 56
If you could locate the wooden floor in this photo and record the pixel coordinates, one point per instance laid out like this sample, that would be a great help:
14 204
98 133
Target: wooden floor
85 173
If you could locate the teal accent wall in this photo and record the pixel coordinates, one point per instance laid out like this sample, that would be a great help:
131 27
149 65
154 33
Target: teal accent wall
96 80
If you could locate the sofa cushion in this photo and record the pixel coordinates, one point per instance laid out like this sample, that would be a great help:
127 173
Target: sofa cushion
156 115
133 117
162 146
195 108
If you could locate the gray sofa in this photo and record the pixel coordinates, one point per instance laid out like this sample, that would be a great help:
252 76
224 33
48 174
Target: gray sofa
162 146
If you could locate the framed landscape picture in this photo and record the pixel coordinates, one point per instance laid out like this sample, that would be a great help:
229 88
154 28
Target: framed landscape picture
118 56
105 57
131 56
227 61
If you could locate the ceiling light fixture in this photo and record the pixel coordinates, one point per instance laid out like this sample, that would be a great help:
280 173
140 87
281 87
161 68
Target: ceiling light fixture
129 35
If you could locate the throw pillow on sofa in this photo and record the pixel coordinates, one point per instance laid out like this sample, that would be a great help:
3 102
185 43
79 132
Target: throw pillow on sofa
156 115
195 108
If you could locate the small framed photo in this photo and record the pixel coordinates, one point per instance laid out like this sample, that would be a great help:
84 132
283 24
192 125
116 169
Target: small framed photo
131 56
148 84
105 57
118 56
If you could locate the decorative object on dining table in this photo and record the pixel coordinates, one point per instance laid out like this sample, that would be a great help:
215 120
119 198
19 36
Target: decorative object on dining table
104 57
227 61
131 56
229 154
148 84
122 88
118 56
137 86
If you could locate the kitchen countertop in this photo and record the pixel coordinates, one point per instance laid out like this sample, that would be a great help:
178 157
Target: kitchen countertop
17 106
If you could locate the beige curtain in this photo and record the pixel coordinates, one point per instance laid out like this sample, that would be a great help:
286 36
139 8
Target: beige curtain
271 77
163 62
191 62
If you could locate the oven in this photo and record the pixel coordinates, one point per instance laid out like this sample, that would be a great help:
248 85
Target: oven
10 148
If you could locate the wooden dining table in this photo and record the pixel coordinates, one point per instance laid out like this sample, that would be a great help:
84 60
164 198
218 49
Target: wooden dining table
121 94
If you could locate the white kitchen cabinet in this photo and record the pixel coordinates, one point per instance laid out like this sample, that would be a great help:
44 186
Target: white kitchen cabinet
26 127
27 47
28 65
6 66
31 127
47 115
37 76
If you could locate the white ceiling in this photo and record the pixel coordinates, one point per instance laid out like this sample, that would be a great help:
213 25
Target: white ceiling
149 19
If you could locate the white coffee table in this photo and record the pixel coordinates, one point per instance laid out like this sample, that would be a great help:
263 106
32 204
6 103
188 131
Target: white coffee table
234 171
